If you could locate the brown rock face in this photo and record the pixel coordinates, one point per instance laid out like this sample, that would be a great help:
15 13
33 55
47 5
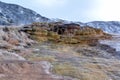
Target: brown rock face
65 33
13 41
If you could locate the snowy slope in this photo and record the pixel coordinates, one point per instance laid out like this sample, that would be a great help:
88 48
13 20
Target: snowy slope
115 42
109 27
17 15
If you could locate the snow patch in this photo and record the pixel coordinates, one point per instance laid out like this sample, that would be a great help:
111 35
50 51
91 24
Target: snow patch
115 42
46 66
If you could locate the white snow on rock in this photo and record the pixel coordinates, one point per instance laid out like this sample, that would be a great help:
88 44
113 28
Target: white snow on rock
109 27
12 14
115 42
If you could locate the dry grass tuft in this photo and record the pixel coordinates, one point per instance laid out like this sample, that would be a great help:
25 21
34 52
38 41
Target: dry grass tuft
42 58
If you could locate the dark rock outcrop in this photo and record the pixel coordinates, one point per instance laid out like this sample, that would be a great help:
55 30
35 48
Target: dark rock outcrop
65 33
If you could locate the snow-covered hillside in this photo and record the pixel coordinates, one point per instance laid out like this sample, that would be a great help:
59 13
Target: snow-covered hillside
17 15
109 27
115 42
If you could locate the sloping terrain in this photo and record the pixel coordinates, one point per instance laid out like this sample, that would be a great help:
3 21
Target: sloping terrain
54 51
81 62
12 14
25 70
14 47
11 42
85 60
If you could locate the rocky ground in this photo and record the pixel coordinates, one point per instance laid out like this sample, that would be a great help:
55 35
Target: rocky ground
52 56
81 62
14 46
13 41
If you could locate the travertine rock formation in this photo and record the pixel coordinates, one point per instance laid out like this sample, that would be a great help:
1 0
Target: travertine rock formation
65 33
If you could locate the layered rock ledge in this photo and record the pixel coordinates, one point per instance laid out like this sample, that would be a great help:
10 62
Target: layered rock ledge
65 33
